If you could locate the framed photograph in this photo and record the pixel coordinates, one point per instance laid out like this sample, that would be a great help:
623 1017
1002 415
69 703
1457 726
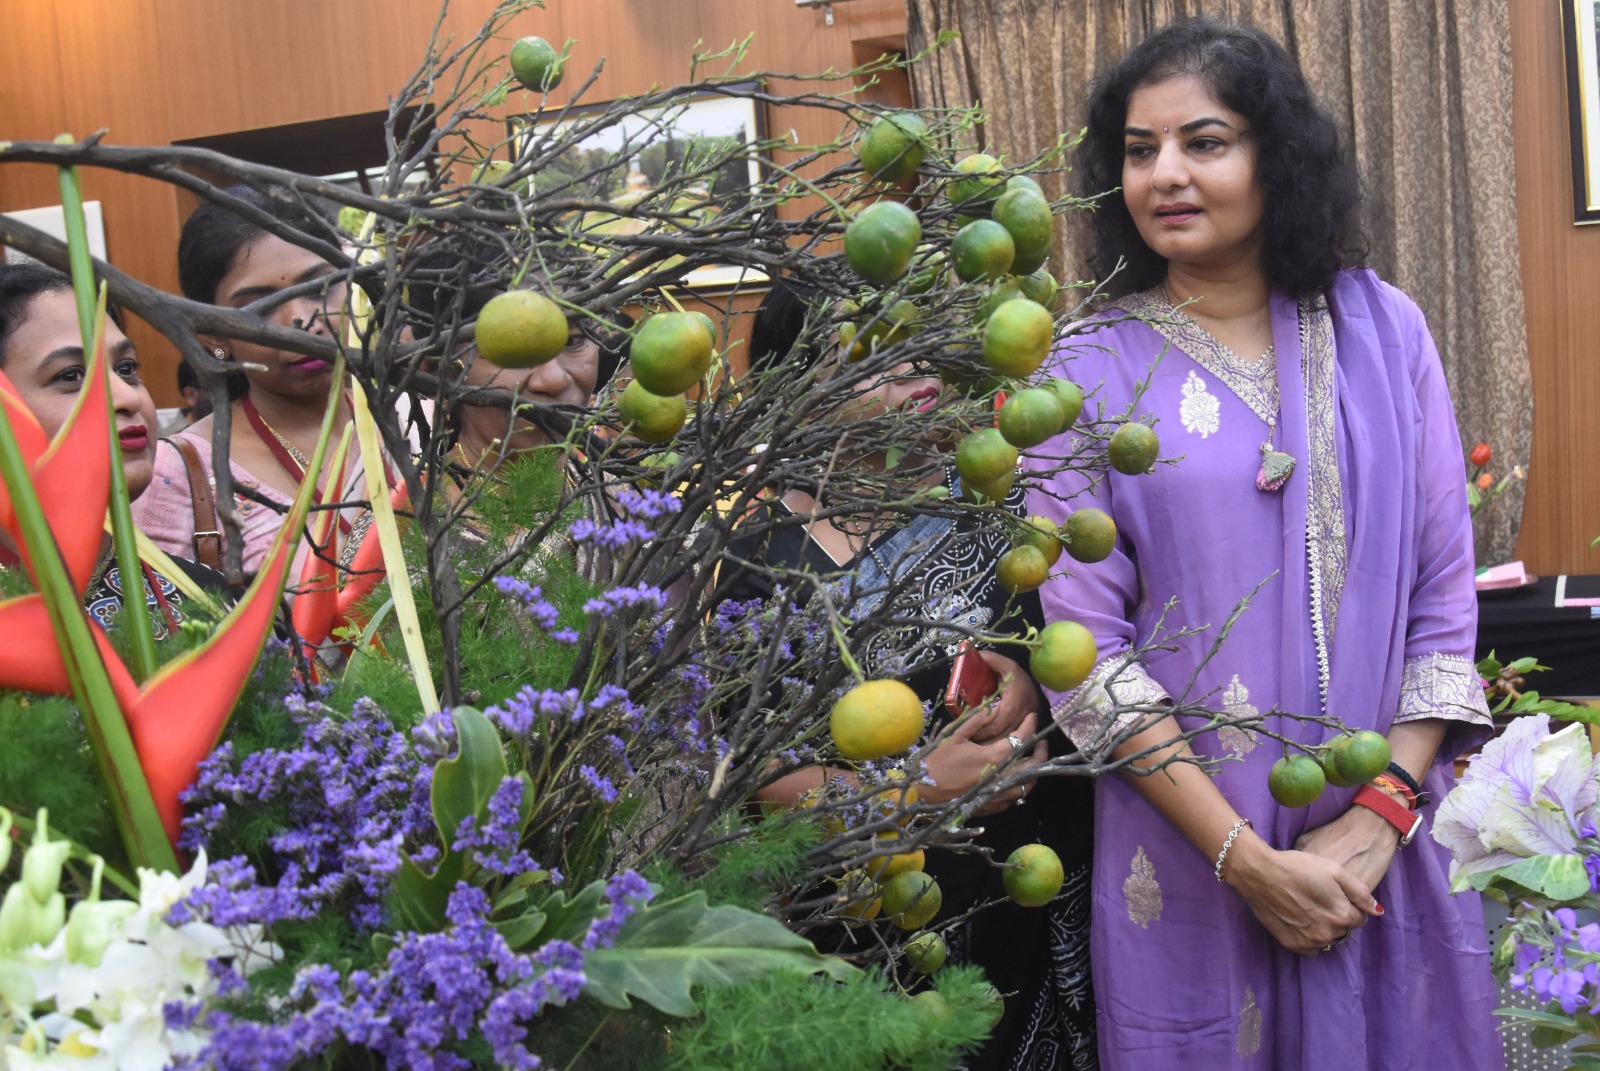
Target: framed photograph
625 161
1581 35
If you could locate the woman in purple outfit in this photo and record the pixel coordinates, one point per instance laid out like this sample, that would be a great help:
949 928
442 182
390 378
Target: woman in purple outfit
1320 469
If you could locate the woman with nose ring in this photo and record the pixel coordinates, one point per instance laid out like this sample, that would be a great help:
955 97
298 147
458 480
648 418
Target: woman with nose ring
281 397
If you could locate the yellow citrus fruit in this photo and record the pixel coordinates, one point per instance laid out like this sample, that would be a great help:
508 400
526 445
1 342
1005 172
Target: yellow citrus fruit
978 187
1026 216
520 329
984 457
982 251
1361 757
926 952
658 465
654 418
888 866
1043 535
875 719
1040 286
1016 338
863 899
1295 780
1132 449
1064 657
1008 289
1090 534
709 324
880 242
1070 395
1030 416
671 351
1022 569
893 147
911 899
536 63
1033 875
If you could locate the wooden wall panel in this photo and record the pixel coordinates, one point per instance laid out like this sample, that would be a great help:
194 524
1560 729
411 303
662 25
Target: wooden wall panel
156 71
1561 280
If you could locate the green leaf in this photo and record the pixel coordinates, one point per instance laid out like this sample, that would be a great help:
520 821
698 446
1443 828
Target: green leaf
667 949
462 785
420 899
568 919
1548 1037
520 931
1583 1063
1526 665
1559 877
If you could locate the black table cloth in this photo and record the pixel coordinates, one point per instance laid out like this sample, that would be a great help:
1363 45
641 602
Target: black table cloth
1526 622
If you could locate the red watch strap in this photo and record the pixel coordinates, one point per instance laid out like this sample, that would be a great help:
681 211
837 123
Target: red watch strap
1390 810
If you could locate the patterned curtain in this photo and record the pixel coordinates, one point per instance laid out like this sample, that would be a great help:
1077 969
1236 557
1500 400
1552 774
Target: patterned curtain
1421 90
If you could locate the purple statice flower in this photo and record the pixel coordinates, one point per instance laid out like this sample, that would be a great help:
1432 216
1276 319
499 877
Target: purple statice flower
602 787
346 797
496 842
625 894
607 603
613 536
521 714
531 598
647 504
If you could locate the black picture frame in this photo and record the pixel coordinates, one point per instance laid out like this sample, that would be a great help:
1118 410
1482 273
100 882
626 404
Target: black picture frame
1580 35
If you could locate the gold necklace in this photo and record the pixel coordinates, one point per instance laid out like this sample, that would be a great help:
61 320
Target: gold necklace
300 459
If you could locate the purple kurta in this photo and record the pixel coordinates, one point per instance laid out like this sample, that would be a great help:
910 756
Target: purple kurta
1365 609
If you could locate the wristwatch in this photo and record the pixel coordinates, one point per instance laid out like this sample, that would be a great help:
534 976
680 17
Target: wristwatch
1405 821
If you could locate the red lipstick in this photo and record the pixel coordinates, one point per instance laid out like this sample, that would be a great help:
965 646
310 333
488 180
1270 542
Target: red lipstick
134 439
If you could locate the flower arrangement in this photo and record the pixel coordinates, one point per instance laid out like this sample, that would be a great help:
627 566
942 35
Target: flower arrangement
1482 487
1521 825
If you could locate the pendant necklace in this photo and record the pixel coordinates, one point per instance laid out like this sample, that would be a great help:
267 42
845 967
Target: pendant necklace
1276 466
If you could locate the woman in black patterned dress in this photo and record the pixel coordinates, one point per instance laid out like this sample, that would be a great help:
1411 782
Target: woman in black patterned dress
1038 958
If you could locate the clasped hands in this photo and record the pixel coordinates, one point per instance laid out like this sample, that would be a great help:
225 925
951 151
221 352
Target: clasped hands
1314 895
981 741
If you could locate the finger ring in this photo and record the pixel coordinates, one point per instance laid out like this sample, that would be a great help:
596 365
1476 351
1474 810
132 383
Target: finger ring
1327 948
1016 743
1022 799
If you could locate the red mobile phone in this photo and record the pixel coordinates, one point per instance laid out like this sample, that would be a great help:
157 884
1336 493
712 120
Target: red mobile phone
971 681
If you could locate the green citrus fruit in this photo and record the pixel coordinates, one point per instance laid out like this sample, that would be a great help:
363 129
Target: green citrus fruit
927 277
1026 216
1090 534
1132 449
874 719
1065 656
864 899
652 417
1016 338
1008 289
933 1009
1361 757
708 323
658 465
880 242
671 351
1024 182
982 251
912 899
893 147
1071 398
536 63
1030 416
520 329
984 457
1331 772
1043 535
991 492
989 1008
1033 875
1022 569
1296 780
1040 286
977 189
926 952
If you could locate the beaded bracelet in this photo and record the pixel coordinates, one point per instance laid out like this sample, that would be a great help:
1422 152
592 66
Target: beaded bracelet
1233 833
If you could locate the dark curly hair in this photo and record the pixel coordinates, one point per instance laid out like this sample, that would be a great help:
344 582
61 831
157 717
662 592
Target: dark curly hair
1312 225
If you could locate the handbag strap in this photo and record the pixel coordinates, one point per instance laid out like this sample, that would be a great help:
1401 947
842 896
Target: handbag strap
207 537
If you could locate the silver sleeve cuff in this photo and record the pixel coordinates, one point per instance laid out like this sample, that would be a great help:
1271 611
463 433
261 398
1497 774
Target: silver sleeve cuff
1089 714
1442 686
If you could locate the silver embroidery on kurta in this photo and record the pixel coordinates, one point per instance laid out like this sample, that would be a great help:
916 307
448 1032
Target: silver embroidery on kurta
1142 891
1327 547
1249 1025
1200 410
1236 702
1254 382
1088 714
1436 685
